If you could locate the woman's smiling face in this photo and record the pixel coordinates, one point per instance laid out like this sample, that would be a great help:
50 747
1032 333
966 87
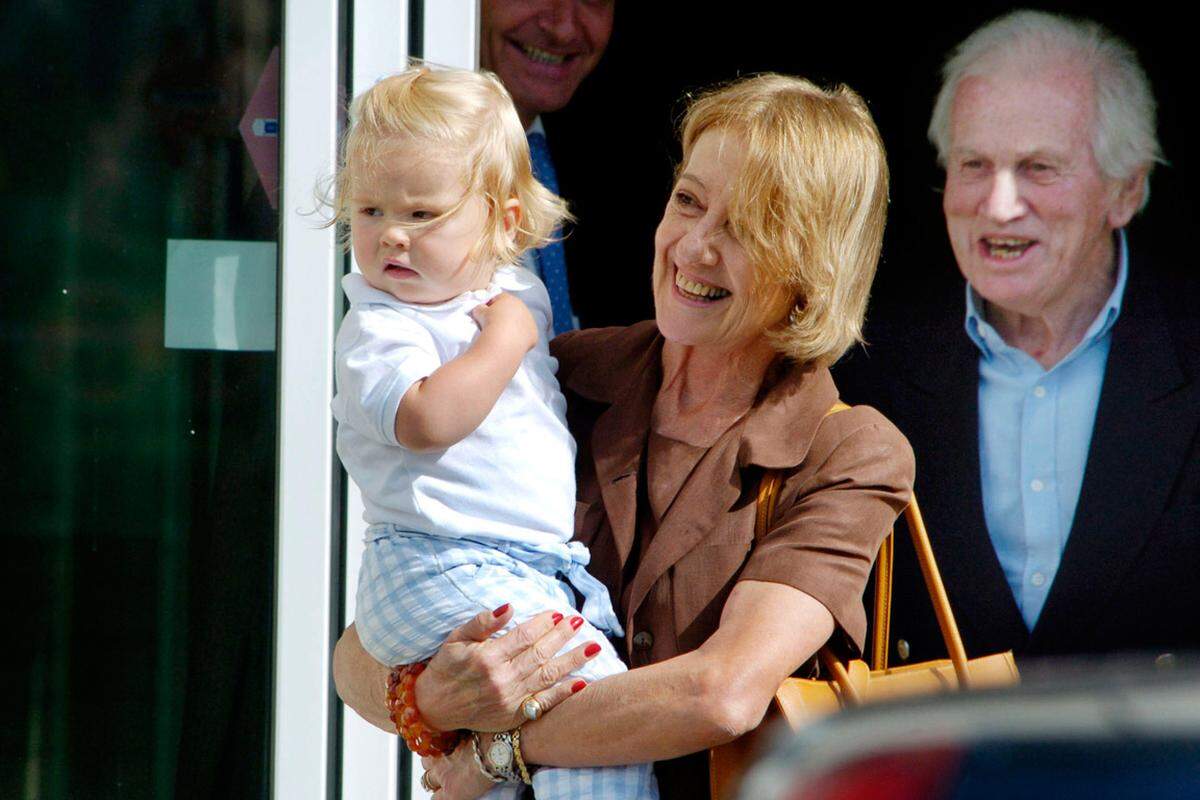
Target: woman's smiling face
703 279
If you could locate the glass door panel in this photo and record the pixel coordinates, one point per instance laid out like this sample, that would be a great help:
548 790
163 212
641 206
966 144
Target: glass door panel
139 398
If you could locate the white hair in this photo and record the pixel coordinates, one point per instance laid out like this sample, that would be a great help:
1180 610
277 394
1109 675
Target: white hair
1124 137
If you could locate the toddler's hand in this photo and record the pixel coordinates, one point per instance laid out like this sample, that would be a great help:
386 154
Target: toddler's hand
508 316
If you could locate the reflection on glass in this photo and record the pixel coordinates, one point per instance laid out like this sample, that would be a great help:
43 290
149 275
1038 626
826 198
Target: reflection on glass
138 485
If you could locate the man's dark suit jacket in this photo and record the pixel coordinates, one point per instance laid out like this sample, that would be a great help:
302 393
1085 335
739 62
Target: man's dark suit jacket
1130 574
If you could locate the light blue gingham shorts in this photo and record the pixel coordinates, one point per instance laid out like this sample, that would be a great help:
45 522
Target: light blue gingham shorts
414 589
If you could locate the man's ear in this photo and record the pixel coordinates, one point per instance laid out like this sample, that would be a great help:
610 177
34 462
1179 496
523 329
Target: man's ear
511 211
1129 195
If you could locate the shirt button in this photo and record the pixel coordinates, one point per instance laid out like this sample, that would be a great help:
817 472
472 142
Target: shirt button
1036 485
1039 391
1037 579
902 649
643 640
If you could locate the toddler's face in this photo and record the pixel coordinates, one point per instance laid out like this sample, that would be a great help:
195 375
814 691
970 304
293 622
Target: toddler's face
417 263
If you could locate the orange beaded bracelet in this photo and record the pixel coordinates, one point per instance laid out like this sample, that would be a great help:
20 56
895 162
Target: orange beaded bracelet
402 710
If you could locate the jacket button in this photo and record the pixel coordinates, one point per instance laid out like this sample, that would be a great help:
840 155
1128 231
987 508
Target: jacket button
1165 661
902 649
643 640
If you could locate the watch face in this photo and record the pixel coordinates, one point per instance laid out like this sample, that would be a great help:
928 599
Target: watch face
500 755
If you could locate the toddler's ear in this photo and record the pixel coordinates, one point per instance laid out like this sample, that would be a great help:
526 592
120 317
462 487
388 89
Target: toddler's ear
512 216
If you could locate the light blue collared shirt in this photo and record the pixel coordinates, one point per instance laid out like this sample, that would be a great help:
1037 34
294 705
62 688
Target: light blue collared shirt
1035 428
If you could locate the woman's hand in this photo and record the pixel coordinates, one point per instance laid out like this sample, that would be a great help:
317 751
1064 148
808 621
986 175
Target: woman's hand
456 776
479 683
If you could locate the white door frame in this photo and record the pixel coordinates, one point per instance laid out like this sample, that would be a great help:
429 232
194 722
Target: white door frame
370 757
302 712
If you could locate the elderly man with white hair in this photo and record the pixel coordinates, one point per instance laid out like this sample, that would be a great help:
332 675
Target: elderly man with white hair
1056 427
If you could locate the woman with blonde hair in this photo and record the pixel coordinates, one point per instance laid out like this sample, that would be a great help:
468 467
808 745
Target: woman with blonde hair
763 262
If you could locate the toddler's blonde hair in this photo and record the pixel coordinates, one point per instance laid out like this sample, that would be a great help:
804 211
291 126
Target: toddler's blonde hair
464 116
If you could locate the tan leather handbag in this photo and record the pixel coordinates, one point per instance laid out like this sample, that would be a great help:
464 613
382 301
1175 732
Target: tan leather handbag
800 700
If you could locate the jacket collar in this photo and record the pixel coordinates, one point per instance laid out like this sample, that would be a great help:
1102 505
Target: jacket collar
626 368
779 429
608 363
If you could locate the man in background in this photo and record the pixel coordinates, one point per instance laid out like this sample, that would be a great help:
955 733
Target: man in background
1054 414
542 50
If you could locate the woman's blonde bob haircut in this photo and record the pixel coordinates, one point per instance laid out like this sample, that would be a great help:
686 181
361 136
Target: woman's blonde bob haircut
463 117
808 207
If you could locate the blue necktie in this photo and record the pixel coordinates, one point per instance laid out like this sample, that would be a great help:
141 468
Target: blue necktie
550 260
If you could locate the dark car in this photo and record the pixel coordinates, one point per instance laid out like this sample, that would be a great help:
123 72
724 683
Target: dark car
1085 733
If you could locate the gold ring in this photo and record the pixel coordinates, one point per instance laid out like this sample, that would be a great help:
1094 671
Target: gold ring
426 783
531 708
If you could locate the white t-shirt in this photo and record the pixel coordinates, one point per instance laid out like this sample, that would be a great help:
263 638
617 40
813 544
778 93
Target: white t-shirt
512 479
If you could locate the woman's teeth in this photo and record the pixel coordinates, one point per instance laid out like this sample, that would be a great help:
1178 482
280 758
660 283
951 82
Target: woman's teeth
1007 248
699 290
541 56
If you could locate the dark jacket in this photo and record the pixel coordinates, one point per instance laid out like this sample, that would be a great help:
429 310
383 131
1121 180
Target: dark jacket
1128 579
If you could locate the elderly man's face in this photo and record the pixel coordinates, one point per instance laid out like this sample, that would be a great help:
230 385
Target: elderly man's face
1029 213
543 49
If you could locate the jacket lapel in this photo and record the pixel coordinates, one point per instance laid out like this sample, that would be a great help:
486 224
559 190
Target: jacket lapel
618 368
617 463
941 401
617 443
711 490
1142 433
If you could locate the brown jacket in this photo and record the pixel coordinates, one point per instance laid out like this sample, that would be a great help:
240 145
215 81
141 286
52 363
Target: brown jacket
849 477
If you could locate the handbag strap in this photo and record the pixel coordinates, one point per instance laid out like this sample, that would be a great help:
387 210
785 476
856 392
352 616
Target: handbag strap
937 592
768 496
881 629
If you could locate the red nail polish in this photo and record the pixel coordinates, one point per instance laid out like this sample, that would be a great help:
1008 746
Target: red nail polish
591 650
499 612
576 622
578 686
557 617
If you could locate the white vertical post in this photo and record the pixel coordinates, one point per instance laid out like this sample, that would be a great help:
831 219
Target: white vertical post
309 258
369 756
